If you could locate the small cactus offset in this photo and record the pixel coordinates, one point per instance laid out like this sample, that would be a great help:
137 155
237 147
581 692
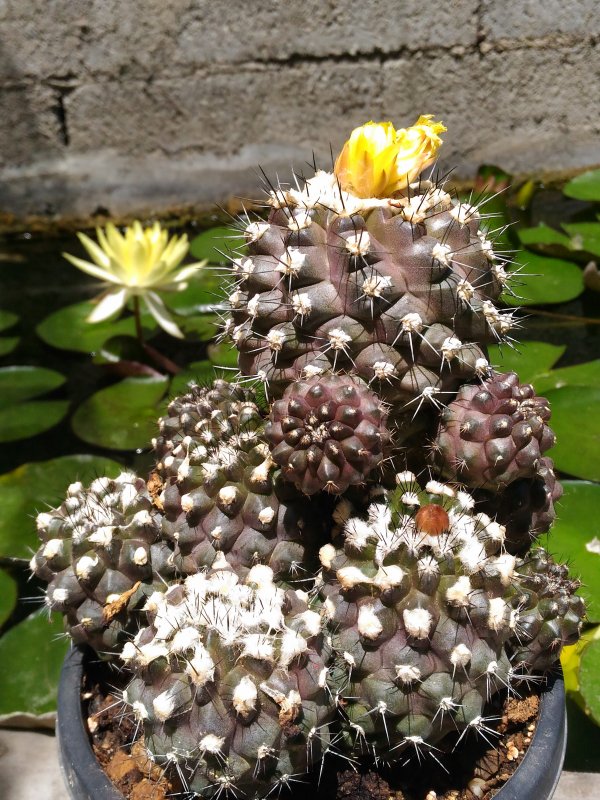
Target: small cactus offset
284 587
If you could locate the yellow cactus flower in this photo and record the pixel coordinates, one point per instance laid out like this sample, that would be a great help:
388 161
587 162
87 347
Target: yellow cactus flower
378 160
137 263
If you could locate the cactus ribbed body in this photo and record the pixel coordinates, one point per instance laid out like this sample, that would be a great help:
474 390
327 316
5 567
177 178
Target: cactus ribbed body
398 291
430 617
493 434
230 682
98 546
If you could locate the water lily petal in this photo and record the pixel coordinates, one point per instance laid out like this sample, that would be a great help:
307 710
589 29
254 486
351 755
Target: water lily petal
159 311
110 302
91 269
187 272
95 252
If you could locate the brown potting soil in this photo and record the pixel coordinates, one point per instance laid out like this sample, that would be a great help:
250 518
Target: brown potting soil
475 770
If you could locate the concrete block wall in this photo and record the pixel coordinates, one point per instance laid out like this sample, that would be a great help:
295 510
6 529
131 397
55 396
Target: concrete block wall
140 106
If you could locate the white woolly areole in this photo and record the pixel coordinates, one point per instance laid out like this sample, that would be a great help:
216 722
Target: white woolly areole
451 347
458 593
260 575
465 291
201 667
338 338
164 705
389 576
211 743
440 489
410 499
417 622
245 696
460 655
43 520
464 213
358 243
265 517
275 340
358 533
310 370
301 303
185 639
255 230
406 673
465 500
406 478
291 262
300 219
311 622
228 495
326 555
259 646
292 646
187 503
140 712
53 548
412 322
102 536
352 576
84 567
472 555
441 253
383 370
482 367
505 564
369 624
60 596
497 614
140 556
375 285
74 489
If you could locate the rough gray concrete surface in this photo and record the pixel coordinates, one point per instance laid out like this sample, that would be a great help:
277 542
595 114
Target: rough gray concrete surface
21 780
141 106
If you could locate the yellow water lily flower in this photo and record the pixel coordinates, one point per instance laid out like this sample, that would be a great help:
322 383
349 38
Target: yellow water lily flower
378 160
138 264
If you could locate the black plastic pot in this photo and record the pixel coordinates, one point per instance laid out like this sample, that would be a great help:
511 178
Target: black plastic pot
535 777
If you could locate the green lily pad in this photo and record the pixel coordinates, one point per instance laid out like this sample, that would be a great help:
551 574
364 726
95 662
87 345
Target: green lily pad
585 186
25 420
204 289
589 679
574 536
223 354
545 235
539 280
123 416
68 329
8 596
21 383
36 486
32 652
200 372
218 245
584 236
202 327
7 319
8 344
586 374
527 359
576 423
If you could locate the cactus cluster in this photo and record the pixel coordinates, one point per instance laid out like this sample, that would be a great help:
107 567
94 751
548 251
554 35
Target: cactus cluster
285 586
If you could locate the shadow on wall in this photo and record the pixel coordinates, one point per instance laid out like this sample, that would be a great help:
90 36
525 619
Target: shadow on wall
32 121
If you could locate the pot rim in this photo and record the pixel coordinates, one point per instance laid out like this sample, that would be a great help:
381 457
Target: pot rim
536 776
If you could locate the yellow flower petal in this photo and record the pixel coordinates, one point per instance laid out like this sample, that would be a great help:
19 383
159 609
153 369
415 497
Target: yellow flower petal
378 161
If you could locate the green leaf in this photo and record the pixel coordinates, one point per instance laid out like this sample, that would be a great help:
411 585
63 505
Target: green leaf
8 596
8 344
585 186
32 654
7 319
543 280
223 355
68 329
200 372
123 416
218 245
527 359
576 423
589 679
207 288
586 374
543 235
21 383
584 236
30 419
573 533
203 327
34 487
